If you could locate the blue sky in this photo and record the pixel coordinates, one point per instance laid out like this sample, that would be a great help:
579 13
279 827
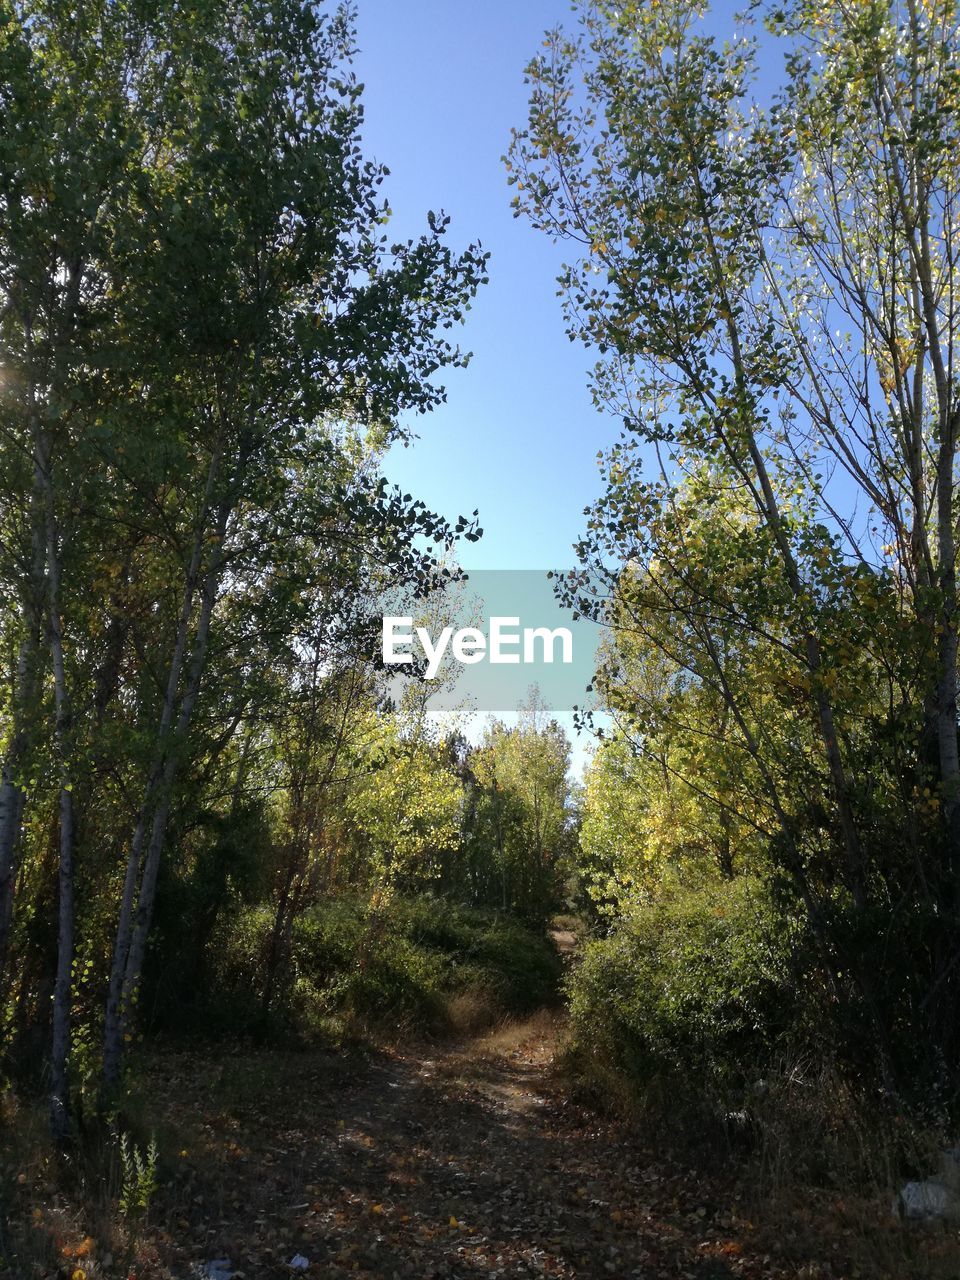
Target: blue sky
518 437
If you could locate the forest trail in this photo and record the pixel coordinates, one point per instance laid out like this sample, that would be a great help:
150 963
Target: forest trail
453 1160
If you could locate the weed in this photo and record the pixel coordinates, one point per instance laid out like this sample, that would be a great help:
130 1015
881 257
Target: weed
138 1176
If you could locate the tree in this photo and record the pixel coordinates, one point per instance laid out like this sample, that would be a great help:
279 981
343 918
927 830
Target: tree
403 806
524 817
207 344
770 293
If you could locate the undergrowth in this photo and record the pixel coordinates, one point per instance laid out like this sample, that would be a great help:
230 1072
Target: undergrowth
421 966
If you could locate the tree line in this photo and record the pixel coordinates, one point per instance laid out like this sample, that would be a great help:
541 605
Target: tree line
207 344
762 244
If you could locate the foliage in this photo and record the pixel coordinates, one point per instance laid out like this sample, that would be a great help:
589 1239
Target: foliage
404 808
696 994
769 288
401 967
519 827
138 1176
208 342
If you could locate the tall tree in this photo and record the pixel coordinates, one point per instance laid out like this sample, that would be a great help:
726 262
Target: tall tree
771 293
207 342
524 813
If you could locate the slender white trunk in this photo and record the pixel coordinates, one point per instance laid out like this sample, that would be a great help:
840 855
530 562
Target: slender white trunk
11 816
136 908
63 986
148 887
26 677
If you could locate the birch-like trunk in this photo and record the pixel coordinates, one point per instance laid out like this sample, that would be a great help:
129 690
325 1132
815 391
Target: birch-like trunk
27 676
136 908
63 986
11 808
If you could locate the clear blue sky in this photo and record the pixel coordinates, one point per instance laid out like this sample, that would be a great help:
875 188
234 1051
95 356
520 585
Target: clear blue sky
518 436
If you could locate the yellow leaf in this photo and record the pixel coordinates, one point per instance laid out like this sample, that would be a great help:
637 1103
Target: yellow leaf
453 1221
376 1208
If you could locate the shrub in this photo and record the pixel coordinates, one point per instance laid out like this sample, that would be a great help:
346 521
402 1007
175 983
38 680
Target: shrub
694 995
417 964
515 963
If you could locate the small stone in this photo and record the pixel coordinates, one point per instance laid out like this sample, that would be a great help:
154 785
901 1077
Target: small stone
927 1200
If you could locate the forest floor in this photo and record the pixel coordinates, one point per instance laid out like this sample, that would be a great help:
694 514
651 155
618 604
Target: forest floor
442 1159
457 1161
460 1160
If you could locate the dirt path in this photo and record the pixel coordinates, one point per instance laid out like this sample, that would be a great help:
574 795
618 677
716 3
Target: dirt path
462 1161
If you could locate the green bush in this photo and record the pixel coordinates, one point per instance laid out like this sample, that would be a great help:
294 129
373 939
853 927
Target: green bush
693 995
517 964
400 969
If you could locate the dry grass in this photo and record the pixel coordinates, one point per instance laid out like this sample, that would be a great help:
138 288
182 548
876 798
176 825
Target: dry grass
513 1034
816 1170
470 1012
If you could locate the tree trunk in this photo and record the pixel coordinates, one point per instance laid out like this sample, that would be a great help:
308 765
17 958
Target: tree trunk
114 1018
12 795
63 987
136 913
11 816
947 655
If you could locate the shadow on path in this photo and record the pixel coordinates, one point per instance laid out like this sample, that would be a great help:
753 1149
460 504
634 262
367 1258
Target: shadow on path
455 1161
